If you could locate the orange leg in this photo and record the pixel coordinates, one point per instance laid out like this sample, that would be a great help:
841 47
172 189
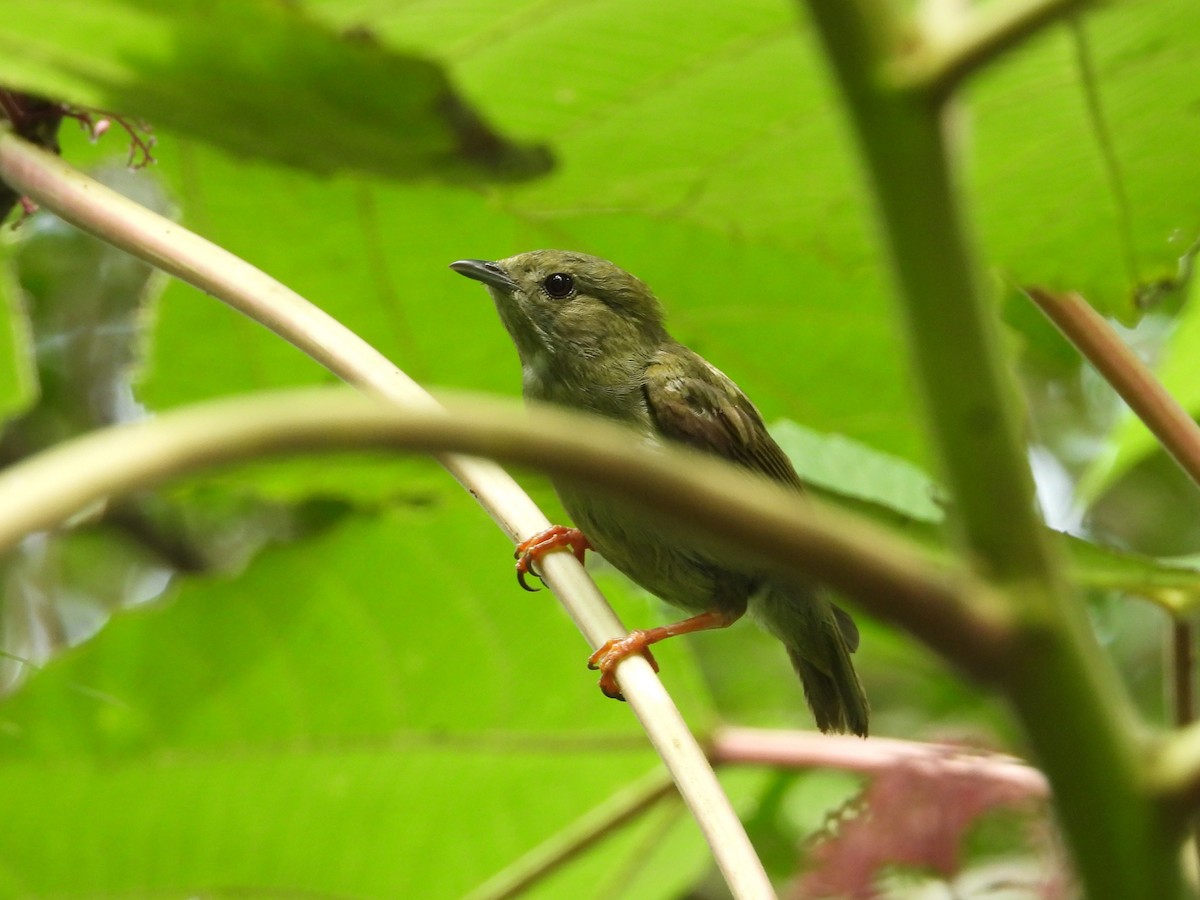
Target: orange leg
531 550
609 656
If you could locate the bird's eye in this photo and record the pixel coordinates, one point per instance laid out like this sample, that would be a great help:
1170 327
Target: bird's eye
559 285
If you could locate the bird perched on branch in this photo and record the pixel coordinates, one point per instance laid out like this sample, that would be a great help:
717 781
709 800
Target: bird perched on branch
591 337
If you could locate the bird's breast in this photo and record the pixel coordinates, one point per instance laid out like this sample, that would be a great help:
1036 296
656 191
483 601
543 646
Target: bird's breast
652 552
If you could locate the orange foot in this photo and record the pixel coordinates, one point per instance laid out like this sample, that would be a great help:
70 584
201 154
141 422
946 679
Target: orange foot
613 651
610 655
531 550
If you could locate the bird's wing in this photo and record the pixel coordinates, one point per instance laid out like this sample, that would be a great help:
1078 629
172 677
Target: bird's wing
693 402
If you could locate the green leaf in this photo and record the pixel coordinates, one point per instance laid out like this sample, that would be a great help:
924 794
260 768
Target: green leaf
377 712
261 80
703 153
1081 177
855 471
722 117
899 496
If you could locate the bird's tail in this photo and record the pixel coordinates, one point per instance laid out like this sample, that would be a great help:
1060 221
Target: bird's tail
820 638
837 699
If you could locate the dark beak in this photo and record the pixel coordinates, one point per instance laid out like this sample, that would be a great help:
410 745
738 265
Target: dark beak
487 272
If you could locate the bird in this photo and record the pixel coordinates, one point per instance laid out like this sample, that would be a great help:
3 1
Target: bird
592 337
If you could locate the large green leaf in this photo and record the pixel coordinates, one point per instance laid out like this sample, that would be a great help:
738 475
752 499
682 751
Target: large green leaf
1081 178
722 117
703 152
259 79
370 714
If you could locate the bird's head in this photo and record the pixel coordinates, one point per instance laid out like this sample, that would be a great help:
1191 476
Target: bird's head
568 310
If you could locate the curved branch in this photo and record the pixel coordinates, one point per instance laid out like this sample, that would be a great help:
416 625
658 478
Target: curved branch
117 220
805 750
1063 683
956 615
1099 343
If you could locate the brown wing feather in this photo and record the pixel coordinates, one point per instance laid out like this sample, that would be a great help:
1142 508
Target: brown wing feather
693 402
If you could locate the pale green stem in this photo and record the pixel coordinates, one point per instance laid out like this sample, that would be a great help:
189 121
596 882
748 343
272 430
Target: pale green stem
1064 689
752 516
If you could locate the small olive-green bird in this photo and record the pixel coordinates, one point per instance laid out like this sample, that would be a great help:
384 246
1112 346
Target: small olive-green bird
591 337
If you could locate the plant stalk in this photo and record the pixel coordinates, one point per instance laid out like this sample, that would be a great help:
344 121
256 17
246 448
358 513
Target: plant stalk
1063 689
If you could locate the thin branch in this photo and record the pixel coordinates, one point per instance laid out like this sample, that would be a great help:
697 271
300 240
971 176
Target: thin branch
110 217
806 750
1092 336
639 857
590 829
938 66
755 518
35 119
953 338
1173 426
1168 421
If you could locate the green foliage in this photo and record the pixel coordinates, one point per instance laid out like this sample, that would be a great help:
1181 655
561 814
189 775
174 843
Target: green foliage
1093 199
326 720
260 80
375 709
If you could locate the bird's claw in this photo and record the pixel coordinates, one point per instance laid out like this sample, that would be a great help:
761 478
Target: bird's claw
525 567
610 655
532 549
